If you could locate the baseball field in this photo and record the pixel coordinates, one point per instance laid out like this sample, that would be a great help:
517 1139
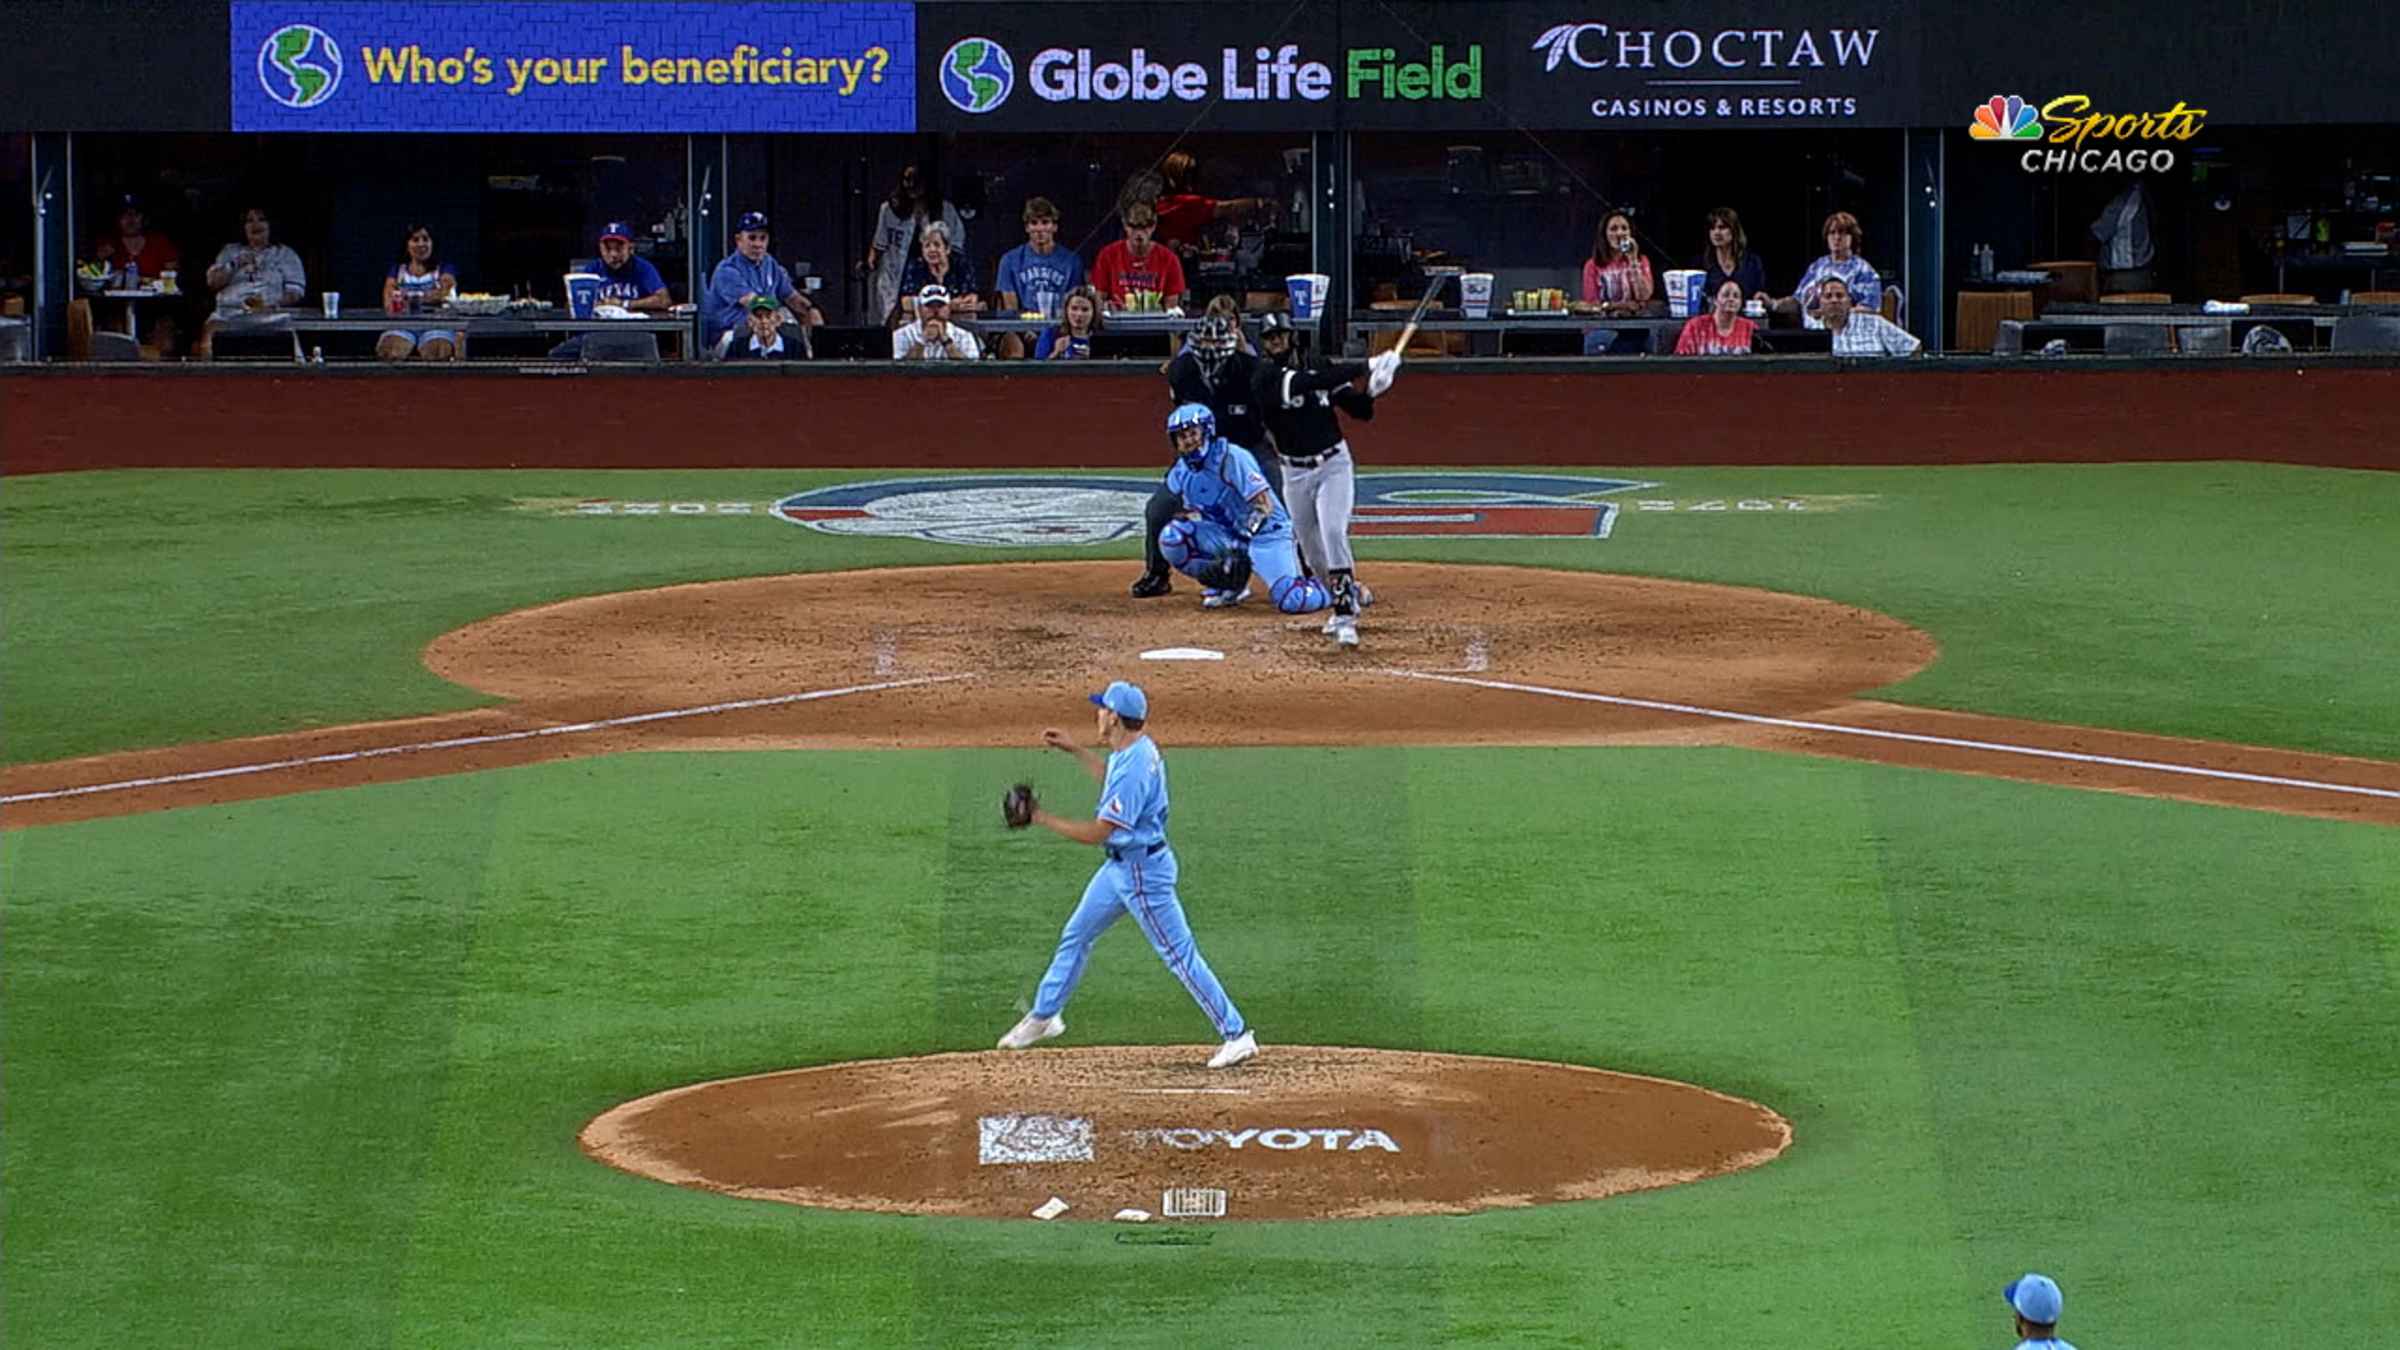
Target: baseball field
2012 848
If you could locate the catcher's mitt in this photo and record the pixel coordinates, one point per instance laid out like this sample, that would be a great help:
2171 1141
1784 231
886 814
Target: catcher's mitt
1016 806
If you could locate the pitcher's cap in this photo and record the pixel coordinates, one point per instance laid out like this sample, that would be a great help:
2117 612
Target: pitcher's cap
617 229
1125 700
2036 1298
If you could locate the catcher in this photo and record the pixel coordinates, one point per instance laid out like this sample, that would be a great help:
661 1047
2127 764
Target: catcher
1138 877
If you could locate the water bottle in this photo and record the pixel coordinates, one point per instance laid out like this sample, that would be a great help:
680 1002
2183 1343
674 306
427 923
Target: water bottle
316 356
133 275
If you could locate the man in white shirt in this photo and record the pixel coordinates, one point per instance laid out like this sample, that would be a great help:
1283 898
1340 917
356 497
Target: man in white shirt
1856 332
931 336
2123 229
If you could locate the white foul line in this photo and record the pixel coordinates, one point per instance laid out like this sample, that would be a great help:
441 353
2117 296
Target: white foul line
461 742
1228 1092
1951 742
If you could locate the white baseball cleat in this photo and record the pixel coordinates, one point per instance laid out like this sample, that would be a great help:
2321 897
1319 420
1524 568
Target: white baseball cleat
1223 599
1242 1047
1333 623
1031 1030
1347 633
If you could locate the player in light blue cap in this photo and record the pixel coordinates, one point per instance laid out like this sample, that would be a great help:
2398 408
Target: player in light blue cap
1137 878
2037 1303
1235 526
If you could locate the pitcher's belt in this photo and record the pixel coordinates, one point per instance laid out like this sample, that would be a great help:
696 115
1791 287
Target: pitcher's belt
1120 854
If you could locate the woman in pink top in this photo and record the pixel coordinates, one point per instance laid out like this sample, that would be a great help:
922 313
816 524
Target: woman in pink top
1618 279
1722 331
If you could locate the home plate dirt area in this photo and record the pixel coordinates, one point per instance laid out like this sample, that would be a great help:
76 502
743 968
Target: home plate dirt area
989 655
1302 1132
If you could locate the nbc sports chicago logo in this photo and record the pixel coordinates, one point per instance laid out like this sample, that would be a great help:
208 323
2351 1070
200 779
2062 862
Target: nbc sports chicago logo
2081 140
299 65
977 75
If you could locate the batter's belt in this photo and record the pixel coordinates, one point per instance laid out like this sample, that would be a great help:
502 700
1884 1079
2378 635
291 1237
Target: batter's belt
1312 461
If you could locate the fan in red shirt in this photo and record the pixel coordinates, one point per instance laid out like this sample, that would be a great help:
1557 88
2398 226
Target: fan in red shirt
1183 214
1137 263
1722 331
153 252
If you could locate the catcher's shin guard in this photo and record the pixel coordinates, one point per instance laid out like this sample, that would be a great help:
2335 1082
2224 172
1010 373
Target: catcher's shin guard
1300 595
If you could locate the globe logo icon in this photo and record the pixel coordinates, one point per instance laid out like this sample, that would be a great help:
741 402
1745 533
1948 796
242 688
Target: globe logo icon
299 65
977 74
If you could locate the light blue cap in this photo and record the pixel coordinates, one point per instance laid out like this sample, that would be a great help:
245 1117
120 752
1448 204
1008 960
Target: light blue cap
2036 1298
1125 700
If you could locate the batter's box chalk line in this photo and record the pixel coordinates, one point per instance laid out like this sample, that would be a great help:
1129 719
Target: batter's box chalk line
1909 737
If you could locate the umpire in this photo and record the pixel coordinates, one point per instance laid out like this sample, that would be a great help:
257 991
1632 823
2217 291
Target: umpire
1212 370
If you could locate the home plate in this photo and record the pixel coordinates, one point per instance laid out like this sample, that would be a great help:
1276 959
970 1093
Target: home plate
1182 654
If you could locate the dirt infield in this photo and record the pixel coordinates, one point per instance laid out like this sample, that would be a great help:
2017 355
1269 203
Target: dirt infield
1302 1132
988 655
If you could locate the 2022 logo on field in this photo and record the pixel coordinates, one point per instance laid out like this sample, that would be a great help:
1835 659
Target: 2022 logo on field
299 65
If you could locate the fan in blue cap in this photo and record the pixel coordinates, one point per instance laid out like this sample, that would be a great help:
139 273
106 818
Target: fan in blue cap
1137 877
1233 524
751 271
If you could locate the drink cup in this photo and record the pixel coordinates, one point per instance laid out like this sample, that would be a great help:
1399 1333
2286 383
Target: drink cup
1475 295
583 293
1308 293
333 304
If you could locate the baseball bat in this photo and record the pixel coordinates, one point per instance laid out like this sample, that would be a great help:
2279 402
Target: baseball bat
1432 293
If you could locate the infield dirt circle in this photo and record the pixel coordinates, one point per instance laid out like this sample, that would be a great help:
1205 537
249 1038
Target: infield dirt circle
1302 1132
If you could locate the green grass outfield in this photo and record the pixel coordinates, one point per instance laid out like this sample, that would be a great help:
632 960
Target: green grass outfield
2239 602
309 1071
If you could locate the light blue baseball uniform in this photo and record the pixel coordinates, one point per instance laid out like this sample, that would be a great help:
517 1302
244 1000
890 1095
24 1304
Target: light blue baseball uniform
1220 489
1138 878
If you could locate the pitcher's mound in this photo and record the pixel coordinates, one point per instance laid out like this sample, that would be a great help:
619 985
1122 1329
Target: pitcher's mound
1302 1132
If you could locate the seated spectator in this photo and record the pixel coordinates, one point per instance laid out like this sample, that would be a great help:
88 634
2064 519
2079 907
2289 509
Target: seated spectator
764 340
1722 331
1070 339
1841 260
1618 279
1035 276
626 278
1860 331
1728 256
915 200
415 284
748 272
1137 265
150 251
254 280
931 336
1183 214
938 264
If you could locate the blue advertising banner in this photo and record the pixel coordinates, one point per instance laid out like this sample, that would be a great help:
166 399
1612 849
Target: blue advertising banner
341 65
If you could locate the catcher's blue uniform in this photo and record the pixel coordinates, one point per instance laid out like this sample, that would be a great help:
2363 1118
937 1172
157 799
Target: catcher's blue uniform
1219 486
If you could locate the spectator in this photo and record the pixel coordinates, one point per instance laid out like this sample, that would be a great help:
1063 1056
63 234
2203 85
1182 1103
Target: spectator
1135 265
1728 256
1183 214
747 272
627 279
151 252
1618 279
2036 1303
1070 339
1036 275
417 283
931 336
939 264
2123 230
1865 288
1860 332
1722 331
764 340
913 203
253 280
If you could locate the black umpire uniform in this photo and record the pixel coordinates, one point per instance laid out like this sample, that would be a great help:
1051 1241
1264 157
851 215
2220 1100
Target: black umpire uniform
1225 381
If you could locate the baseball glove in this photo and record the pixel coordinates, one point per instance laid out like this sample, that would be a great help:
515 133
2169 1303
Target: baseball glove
1016 806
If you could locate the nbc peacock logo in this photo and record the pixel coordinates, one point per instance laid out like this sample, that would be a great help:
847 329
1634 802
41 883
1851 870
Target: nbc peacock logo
2005 119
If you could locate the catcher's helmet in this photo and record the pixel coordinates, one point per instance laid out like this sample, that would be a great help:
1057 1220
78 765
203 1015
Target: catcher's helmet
1193 415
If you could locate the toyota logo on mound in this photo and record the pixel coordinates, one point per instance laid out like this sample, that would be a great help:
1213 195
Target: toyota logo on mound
299 65
1037 511
977 75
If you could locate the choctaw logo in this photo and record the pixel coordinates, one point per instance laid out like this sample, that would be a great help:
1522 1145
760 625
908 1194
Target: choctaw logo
1032 511
299 65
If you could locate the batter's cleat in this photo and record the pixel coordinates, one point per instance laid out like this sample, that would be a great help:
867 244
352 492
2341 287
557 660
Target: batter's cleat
1031 1030
1242 1047
1347 634
1223 599
1152 585
1333 624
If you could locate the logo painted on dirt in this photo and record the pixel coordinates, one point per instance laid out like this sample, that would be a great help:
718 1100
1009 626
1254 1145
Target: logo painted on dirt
1032 511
